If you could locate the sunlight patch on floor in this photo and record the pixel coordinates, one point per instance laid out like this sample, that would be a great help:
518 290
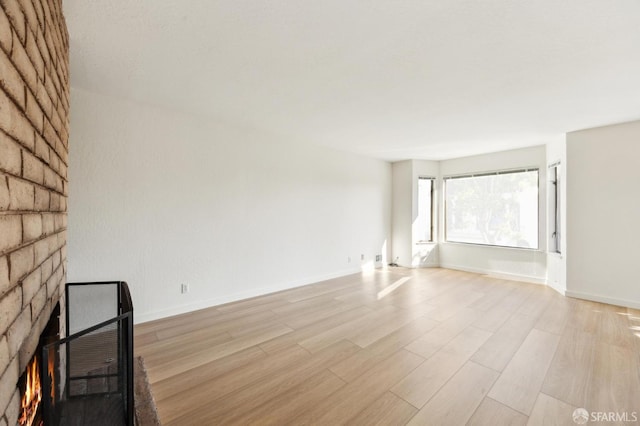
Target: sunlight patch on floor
390 289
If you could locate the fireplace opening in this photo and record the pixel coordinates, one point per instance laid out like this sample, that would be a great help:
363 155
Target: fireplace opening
89 378
31 395
31 383
85 378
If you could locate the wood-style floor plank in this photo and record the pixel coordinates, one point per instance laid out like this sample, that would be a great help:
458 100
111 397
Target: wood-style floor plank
617 373
456 402
537 303
442 334
569 375
222 324
549 411
356 365
214 388
505 342
346 330
263 390
178 364
395 346
520 383
290 339
467 343
613 328
418 387
497 290
186 343
554 318
292 403
633 316
351 399
491 412
386 410
493 319
187 381
311 316
426 380
379 329
584 316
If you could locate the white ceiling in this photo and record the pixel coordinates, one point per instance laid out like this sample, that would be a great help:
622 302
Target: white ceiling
392 79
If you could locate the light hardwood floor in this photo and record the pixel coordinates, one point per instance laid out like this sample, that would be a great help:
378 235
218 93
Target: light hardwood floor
394 347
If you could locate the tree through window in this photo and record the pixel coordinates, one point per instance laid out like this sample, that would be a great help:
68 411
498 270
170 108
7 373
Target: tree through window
498 209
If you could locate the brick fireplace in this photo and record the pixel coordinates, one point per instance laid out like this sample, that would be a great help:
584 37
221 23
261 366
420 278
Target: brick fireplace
34 134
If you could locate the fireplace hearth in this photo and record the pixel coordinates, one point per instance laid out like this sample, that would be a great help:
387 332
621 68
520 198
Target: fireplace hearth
87 377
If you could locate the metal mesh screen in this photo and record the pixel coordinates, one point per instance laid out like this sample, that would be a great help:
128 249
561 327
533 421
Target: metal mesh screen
91 304
89 378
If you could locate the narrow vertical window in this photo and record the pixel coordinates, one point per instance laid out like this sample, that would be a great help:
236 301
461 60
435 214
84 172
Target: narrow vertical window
554 208
424 221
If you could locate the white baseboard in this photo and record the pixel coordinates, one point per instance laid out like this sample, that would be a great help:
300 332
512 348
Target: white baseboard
604 299
497 274
140 318
424 265
561 290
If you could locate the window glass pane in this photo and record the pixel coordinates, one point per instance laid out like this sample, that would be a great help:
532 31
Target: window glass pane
422 224
500 209
558 207
554 209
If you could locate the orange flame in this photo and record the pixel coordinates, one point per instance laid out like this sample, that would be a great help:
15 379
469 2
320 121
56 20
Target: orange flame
32 395
51 374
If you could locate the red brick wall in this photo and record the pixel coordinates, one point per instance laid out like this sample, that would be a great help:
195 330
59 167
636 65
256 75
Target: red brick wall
34 134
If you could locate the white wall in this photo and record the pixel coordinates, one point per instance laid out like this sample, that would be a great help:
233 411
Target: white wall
557 262
401 251
527 265
603 214
158 198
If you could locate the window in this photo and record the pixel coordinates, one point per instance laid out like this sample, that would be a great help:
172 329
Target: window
554 208
423 225
497 209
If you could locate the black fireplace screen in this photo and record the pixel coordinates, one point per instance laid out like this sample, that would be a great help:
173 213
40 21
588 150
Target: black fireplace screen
88 376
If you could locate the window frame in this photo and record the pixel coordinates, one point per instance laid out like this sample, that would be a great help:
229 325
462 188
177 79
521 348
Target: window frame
445 179
431 208
555 179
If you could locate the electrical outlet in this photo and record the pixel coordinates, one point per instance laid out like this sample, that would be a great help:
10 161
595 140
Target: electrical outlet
378 258
184 288
362 257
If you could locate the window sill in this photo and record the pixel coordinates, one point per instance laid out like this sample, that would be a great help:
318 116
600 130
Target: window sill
455 243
